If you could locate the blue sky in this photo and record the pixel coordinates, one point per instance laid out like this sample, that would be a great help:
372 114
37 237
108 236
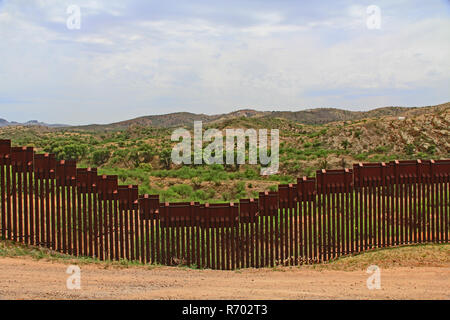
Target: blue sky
134 58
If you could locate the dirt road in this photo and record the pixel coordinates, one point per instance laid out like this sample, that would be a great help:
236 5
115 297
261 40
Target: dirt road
25 278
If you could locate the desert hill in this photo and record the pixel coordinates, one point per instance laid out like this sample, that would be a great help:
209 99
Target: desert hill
309 116
139 151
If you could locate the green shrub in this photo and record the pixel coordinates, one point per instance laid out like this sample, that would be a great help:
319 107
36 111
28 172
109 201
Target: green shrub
146 167
273 187
184 190
200 195
226 196
240 189
431 149
362 156
345 144
100 157
409 149
382 149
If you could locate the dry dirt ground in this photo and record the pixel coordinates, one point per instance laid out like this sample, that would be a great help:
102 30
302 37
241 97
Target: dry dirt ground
26 278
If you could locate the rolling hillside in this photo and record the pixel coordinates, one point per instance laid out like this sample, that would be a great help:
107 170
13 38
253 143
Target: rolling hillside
139 153
309 116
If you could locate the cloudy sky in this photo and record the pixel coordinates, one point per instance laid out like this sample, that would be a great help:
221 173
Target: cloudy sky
133 58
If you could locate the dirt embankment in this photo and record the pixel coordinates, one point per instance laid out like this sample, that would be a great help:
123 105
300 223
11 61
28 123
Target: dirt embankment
26 278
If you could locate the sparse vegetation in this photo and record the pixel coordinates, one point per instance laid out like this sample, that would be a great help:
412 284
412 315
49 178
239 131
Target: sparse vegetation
425 255
139 152
431 255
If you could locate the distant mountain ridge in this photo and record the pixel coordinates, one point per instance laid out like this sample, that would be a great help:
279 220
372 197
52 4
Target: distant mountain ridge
5 123
186 119
308 116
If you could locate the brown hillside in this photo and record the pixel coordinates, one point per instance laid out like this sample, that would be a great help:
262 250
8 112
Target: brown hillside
310 116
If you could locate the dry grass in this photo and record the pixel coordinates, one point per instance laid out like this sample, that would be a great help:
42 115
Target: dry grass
11 249
426 255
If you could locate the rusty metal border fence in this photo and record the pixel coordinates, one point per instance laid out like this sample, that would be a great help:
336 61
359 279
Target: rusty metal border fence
75 211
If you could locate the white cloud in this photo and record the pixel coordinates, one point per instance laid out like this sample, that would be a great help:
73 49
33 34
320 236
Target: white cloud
160 65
